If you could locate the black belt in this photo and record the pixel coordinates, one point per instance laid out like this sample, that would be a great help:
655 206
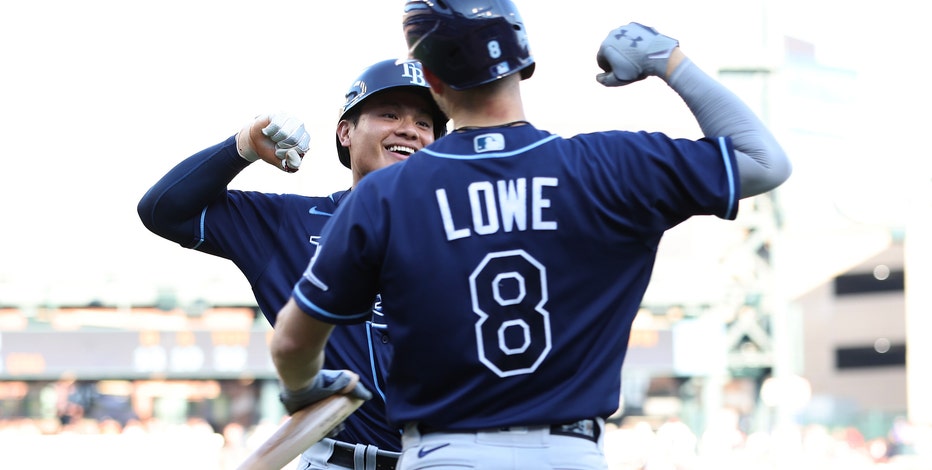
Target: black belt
588 429
344 455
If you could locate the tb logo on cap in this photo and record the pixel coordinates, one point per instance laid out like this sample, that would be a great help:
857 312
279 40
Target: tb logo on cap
412 71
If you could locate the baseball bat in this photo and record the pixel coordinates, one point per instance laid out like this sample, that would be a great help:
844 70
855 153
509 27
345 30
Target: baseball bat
303 429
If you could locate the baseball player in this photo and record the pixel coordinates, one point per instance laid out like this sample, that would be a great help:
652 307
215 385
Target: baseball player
388 115
511 261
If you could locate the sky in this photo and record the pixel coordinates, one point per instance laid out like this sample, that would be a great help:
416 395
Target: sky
100 98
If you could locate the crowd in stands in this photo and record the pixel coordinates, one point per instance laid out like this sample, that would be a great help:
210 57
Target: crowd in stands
629 446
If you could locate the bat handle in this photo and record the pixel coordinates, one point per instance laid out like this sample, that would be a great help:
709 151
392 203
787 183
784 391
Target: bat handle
299 432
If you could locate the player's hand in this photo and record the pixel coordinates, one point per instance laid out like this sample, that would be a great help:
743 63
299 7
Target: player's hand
326 383
279 139
633 52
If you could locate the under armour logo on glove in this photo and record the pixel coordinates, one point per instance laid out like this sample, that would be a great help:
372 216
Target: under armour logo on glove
633 52
634 41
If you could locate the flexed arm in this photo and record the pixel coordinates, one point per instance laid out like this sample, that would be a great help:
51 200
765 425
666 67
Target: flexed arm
634 52
172 206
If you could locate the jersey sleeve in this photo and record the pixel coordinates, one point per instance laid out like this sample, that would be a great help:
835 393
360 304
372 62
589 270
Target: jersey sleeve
173 207
660 182
341 280
243 222
706 174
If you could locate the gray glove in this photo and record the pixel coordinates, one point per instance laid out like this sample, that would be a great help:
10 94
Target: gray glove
292 141
326 383
288 134
633 52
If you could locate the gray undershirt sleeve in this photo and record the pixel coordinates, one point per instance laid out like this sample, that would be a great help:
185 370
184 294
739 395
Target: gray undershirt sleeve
762 164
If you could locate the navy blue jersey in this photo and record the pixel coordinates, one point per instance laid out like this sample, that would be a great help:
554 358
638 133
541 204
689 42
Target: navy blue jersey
476 244
270 237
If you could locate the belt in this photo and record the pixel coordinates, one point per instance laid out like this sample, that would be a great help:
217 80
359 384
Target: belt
588 429
344 455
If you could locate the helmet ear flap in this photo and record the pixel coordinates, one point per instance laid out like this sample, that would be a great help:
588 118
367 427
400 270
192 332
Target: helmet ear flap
527 71
343 154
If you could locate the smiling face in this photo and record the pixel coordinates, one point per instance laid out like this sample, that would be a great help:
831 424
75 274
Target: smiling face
391 126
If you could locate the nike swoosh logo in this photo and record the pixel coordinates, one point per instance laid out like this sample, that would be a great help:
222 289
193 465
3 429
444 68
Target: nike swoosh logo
314 211
422 452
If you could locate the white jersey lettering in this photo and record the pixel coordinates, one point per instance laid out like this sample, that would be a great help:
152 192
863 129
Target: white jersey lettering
452 232
539 204
500 206
512 200
481 194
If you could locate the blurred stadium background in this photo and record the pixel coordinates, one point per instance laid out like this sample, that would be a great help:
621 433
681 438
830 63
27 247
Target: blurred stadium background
796 337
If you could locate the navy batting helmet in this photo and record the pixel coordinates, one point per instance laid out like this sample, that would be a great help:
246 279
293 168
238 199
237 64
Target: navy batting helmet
386 75
467 43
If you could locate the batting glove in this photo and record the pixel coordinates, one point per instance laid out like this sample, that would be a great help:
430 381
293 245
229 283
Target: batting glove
326 383
633 52
291 140
286 132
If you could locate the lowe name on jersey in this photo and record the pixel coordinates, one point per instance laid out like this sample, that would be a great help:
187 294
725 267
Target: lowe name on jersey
499 205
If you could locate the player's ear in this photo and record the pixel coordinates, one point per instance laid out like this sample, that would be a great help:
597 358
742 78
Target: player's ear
435 84
343 128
